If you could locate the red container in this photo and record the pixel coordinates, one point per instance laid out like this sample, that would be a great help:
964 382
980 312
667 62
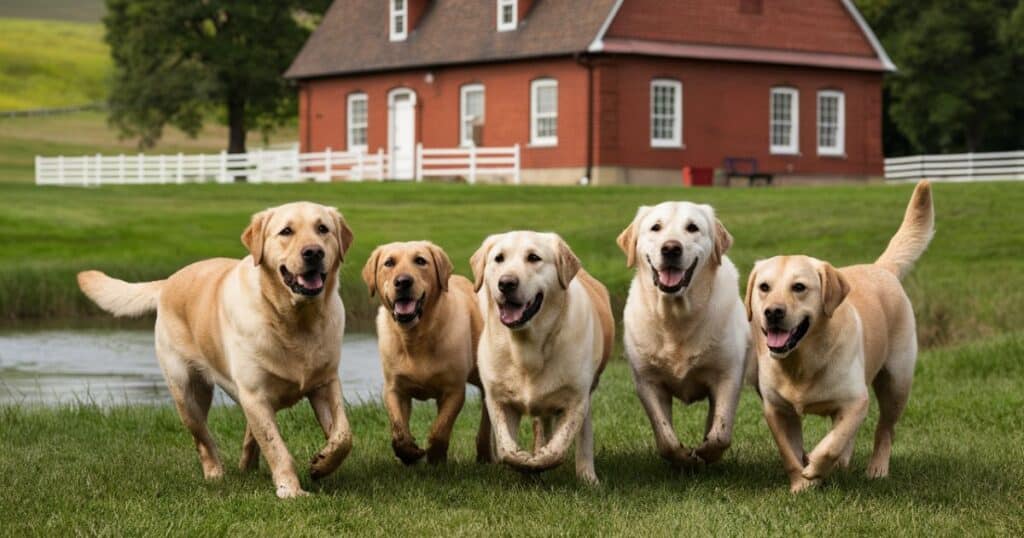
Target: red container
698 176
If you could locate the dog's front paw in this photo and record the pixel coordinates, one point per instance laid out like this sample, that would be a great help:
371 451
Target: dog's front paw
544 460
518 460
324 463
290 492
711 451
799 484
407 451
681 458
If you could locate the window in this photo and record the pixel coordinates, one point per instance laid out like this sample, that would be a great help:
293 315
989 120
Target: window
785 118
399 22
831 122
507 15
471 113
666 113
357 122
544 112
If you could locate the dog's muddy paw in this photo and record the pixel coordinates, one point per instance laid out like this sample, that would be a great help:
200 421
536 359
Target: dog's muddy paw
437 452
407 451
519 460
321 465
683 459
290 492
710 452
803 484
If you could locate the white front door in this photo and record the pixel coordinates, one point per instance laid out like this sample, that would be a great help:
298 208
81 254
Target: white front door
403 135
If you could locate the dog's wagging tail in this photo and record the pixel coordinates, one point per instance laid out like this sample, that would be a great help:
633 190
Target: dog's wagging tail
914 234
120 298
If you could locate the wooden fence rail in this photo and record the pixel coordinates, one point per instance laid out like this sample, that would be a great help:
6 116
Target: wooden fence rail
999 166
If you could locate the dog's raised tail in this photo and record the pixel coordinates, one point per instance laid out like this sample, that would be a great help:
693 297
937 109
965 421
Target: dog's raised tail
120 298
914 234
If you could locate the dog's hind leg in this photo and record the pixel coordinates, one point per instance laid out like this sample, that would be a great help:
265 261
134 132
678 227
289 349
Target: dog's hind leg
484 447
448 407
250 459
892 388
192 394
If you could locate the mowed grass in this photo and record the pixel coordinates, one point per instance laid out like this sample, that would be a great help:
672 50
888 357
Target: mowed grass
956 470
969 284
47 63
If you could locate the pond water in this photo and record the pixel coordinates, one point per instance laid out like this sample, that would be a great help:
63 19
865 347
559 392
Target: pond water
115 367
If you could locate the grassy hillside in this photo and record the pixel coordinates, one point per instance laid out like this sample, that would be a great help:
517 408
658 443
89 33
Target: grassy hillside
61 10
956 470
969 284
52 64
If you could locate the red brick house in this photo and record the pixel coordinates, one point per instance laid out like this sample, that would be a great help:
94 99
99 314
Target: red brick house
620 91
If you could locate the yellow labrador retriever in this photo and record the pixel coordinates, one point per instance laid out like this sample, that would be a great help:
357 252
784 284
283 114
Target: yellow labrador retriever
548 332
428 328
266 329
823 334
685 331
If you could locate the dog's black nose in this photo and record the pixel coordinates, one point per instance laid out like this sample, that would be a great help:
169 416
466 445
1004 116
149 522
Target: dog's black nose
403 282
672 249
313 253
508 284
774 313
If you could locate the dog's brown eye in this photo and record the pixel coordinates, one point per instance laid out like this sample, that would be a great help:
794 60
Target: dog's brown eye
420 260
499 258
798 287
322 229
656 228
533 258
390 262
764 287
286 231
692 228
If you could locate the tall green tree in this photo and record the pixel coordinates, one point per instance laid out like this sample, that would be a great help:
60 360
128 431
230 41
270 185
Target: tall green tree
960 84
180 62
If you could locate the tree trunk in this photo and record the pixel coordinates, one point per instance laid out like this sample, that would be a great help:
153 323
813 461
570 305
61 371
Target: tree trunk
236 124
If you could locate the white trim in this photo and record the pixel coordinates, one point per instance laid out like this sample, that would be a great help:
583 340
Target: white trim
870 34
392 95
505 27
535 138
677 114
597 45
393 14
793 148
349 126
466 138
839 149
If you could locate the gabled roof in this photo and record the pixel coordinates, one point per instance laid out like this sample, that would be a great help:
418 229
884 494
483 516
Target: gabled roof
353 35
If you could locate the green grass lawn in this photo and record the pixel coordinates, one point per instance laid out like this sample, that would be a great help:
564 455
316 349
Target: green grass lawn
969 285
956 470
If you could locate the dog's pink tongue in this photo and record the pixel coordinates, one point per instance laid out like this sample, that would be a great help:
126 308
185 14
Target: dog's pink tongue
670 277
311 281
777 338
405 307
511 314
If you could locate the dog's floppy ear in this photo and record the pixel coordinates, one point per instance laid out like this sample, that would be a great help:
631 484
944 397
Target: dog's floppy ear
749 297
342 233
255 235
478 262
834 288
370 271
723 240
566 262
627 239
442 265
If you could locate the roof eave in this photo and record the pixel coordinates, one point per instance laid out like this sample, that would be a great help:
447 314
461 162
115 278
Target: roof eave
883 56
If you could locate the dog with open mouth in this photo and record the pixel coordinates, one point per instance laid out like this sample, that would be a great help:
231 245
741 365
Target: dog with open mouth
822 335
685 333
267 329
428 328
548 333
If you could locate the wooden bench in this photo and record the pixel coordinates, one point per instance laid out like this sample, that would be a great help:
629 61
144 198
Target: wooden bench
745 167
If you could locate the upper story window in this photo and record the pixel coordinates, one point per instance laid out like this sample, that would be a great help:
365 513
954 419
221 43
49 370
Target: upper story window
544 112
357 122
666 113
399 20
831 123
471 114
785 121
508 15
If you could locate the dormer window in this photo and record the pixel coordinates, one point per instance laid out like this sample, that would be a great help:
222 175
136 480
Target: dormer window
508 15
399 20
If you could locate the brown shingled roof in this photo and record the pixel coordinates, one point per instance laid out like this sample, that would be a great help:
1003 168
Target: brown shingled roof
353 36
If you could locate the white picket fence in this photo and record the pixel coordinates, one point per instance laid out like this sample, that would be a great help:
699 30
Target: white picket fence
1000 166
468 162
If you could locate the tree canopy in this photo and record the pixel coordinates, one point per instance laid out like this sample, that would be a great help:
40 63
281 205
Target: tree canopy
181 62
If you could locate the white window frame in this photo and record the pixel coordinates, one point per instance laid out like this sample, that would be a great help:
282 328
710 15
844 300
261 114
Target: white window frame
839 149
466 135
793 148
393 15
676 141
351 126
535 115
505 26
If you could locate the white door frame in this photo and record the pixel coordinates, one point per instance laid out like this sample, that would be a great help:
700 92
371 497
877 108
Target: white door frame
392 96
